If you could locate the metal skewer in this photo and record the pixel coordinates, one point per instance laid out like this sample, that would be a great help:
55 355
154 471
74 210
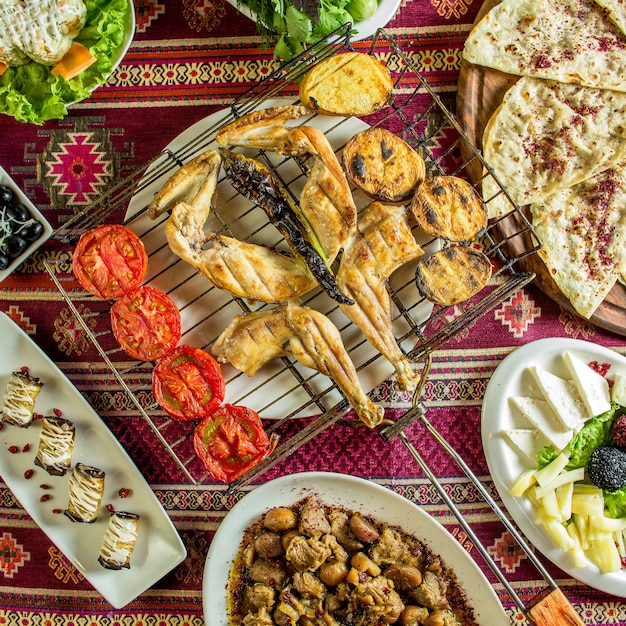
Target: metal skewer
550 608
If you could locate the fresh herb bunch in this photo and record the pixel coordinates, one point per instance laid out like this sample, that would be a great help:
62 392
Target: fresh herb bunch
291 25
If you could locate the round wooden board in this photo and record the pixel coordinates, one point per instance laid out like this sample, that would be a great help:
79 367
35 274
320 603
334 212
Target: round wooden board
480 90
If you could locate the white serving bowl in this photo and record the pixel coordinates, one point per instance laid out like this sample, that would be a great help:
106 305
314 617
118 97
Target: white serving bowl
20 197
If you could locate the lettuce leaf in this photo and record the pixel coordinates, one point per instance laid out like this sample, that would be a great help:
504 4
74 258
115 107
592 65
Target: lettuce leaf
30 93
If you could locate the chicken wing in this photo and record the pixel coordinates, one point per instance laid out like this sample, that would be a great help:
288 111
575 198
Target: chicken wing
253 339
325 200
383 244
246 270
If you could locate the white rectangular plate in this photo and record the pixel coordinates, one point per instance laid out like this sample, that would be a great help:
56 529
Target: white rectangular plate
159 547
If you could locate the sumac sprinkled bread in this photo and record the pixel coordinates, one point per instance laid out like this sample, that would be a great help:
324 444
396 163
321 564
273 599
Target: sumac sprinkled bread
449 207
452 275
383 165
351 83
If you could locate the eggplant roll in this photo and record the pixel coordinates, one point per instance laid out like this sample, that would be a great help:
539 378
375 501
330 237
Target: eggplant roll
119 540
18 405
56 443
86 487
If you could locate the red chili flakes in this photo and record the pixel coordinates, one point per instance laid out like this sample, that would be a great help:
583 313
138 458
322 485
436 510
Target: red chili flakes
123 492
600 368
44 497
58 412
29 473
13 449
26 447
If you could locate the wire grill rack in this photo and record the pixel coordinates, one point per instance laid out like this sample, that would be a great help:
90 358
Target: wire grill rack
284 389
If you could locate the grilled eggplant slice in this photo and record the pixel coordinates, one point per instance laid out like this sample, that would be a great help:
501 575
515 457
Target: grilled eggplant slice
449 207
452 275
352 83
384 166
256 182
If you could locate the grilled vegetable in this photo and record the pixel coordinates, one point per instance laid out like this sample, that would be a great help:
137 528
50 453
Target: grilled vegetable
256 182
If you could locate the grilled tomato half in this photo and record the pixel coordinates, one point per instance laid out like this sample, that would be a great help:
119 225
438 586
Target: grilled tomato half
109 261
187 383
230 441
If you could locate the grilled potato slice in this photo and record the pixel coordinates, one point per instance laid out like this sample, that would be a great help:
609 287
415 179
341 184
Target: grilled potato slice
351 83
449 207
452 275
384 166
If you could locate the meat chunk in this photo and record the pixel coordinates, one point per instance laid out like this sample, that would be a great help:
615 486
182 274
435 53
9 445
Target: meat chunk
431 593
307 554
378 599
389 549
308 584
262 618
340 528
269 572
257 597
313 520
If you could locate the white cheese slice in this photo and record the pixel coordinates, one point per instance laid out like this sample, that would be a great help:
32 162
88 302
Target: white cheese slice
592 387
541 415
528 441
562 396
618 390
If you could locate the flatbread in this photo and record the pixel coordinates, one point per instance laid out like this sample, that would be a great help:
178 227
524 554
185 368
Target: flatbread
546 136
583 231
615 11
571 41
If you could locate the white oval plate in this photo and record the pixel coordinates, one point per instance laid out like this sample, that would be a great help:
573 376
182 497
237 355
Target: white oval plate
159 547
364 29
505 465
353 493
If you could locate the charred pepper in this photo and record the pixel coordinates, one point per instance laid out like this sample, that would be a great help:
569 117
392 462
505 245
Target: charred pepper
256 182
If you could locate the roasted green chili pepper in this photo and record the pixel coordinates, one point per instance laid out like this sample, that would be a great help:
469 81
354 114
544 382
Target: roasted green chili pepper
256 182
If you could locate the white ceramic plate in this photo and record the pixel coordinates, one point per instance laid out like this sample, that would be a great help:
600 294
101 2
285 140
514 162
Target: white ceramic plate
159 548
364 29
5 179
505 465
205 312
356 494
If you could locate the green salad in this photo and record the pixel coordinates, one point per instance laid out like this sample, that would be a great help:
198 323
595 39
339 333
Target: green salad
30 93
596 432
291 25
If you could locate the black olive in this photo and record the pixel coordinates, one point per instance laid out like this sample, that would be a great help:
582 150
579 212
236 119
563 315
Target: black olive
31 231
15 245
4 261
19 213
6 195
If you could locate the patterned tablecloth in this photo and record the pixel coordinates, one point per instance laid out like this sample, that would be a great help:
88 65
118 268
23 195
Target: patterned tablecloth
187 60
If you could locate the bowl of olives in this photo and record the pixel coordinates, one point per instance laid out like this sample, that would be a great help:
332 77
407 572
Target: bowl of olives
23 228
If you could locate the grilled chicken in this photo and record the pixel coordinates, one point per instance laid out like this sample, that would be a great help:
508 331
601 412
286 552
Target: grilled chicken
383 244
326 200
253 339
246 270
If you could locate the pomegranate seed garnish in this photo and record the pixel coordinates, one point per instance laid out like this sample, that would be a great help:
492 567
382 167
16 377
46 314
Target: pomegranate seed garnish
110 508
13 449
24 369
124 492
29 473
57 511
26 447
57 412
44 486
44 497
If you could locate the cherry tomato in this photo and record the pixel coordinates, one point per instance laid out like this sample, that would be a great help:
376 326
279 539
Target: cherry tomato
110 261
146 323
230 441
187 383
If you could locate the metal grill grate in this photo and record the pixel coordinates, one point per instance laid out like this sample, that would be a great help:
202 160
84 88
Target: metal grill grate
284 389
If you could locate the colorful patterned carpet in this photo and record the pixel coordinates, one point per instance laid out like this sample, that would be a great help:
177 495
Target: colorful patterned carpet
188 59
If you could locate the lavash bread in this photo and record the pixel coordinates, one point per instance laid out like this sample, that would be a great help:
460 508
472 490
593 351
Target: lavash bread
583 230
615 11
449 207
452 275
351 83
547 136
570 41
384 166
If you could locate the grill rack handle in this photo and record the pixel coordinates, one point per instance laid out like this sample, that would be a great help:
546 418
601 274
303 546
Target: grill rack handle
551 607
